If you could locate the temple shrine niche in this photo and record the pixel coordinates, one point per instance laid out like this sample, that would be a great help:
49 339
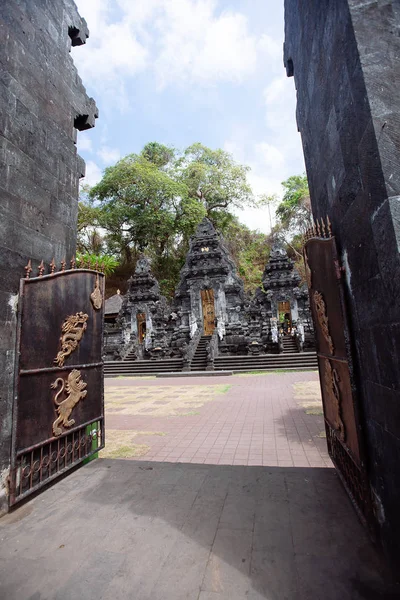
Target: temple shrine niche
210 314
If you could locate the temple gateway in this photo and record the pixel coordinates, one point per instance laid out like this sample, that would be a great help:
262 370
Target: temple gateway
211 322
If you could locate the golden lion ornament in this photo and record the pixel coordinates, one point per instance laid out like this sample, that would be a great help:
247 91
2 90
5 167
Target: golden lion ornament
75 389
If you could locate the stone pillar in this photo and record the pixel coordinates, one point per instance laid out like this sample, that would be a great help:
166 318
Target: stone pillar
42 104
345 58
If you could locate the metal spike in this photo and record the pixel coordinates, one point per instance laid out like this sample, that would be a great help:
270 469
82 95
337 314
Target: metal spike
52 266
329 226
28 269
41 269
318 229
63 265
96 266
314 233
323 228
73 263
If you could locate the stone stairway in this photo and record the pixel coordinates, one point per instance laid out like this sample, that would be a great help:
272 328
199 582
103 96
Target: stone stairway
199 360
288 361
130 366
289 344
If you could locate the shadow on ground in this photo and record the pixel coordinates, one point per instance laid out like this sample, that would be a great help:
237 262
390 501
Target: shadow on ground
123 530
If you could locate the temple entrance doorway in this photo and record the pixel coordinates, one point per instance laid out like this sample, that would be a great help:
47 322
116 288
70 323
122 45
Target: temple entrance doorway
207 302
285 316
141 327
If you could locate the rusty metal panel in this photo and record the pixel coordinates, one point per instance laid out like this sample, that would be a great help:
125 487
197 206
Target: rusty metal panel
58 417
342 421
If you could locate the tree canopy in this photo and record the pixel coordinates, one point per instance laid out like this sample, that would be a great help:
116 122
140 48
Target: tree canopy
294 211
153 201
294 216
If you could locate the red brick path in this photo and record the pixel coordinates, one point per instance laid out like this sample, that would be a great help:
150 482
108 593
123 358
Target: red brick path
257 422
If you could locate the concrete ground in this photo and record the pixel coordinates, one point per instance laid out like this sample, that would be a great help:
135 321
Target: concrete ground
167 530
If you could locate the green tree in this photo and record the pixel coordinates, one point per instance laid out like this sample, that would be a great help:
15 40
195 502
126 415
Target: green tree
294 211
158 154
89 238
153 202
214 178
250 251
105 262
141 206
294 216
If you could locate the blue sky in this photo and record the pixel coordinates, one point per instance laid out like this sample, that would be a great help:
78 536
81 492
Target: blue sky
185 71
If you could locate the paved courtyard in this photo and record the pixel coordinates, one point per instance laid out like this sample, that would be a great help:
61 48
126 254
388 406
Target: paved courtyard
272 419
179 523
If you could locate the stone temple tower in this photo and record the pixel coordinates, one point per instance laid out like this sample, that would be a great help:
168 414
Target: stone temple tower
210 293
282 289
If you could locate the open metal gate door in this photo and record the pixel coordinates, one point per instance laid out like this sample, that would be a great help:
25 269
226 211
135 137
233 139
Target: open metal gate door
58 416
324 277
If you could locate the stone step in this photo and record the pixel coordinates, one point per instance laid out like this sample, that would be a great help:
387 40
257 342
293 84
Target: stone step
262 357
143 369
287 361
142 366
269 363
150 361
265 362
282 357
288 367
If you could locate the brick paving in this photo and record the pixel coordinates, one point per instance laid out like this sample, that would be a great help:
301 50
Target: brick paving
258 421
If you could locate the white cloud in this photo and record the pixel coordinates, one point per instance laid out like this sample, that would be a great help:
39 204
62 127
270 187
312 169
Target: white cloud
109 155
271 48
113 51
275 157
93 174
84 143
197 46
270 155
184 42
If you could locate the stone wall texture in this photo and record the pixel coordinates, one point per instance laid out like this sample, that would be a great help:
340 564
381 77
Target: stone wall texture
42 104
345 58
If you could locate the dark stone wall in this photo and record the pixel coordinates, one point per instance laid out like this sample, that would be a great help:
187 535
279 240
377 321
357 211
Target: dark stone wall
42 103
345 57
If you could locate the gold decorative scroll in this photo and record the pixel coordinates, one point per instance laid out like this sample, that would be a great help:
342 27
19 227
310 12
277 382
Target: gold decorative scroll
320 309
95 296
75 388
331 381
72 331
